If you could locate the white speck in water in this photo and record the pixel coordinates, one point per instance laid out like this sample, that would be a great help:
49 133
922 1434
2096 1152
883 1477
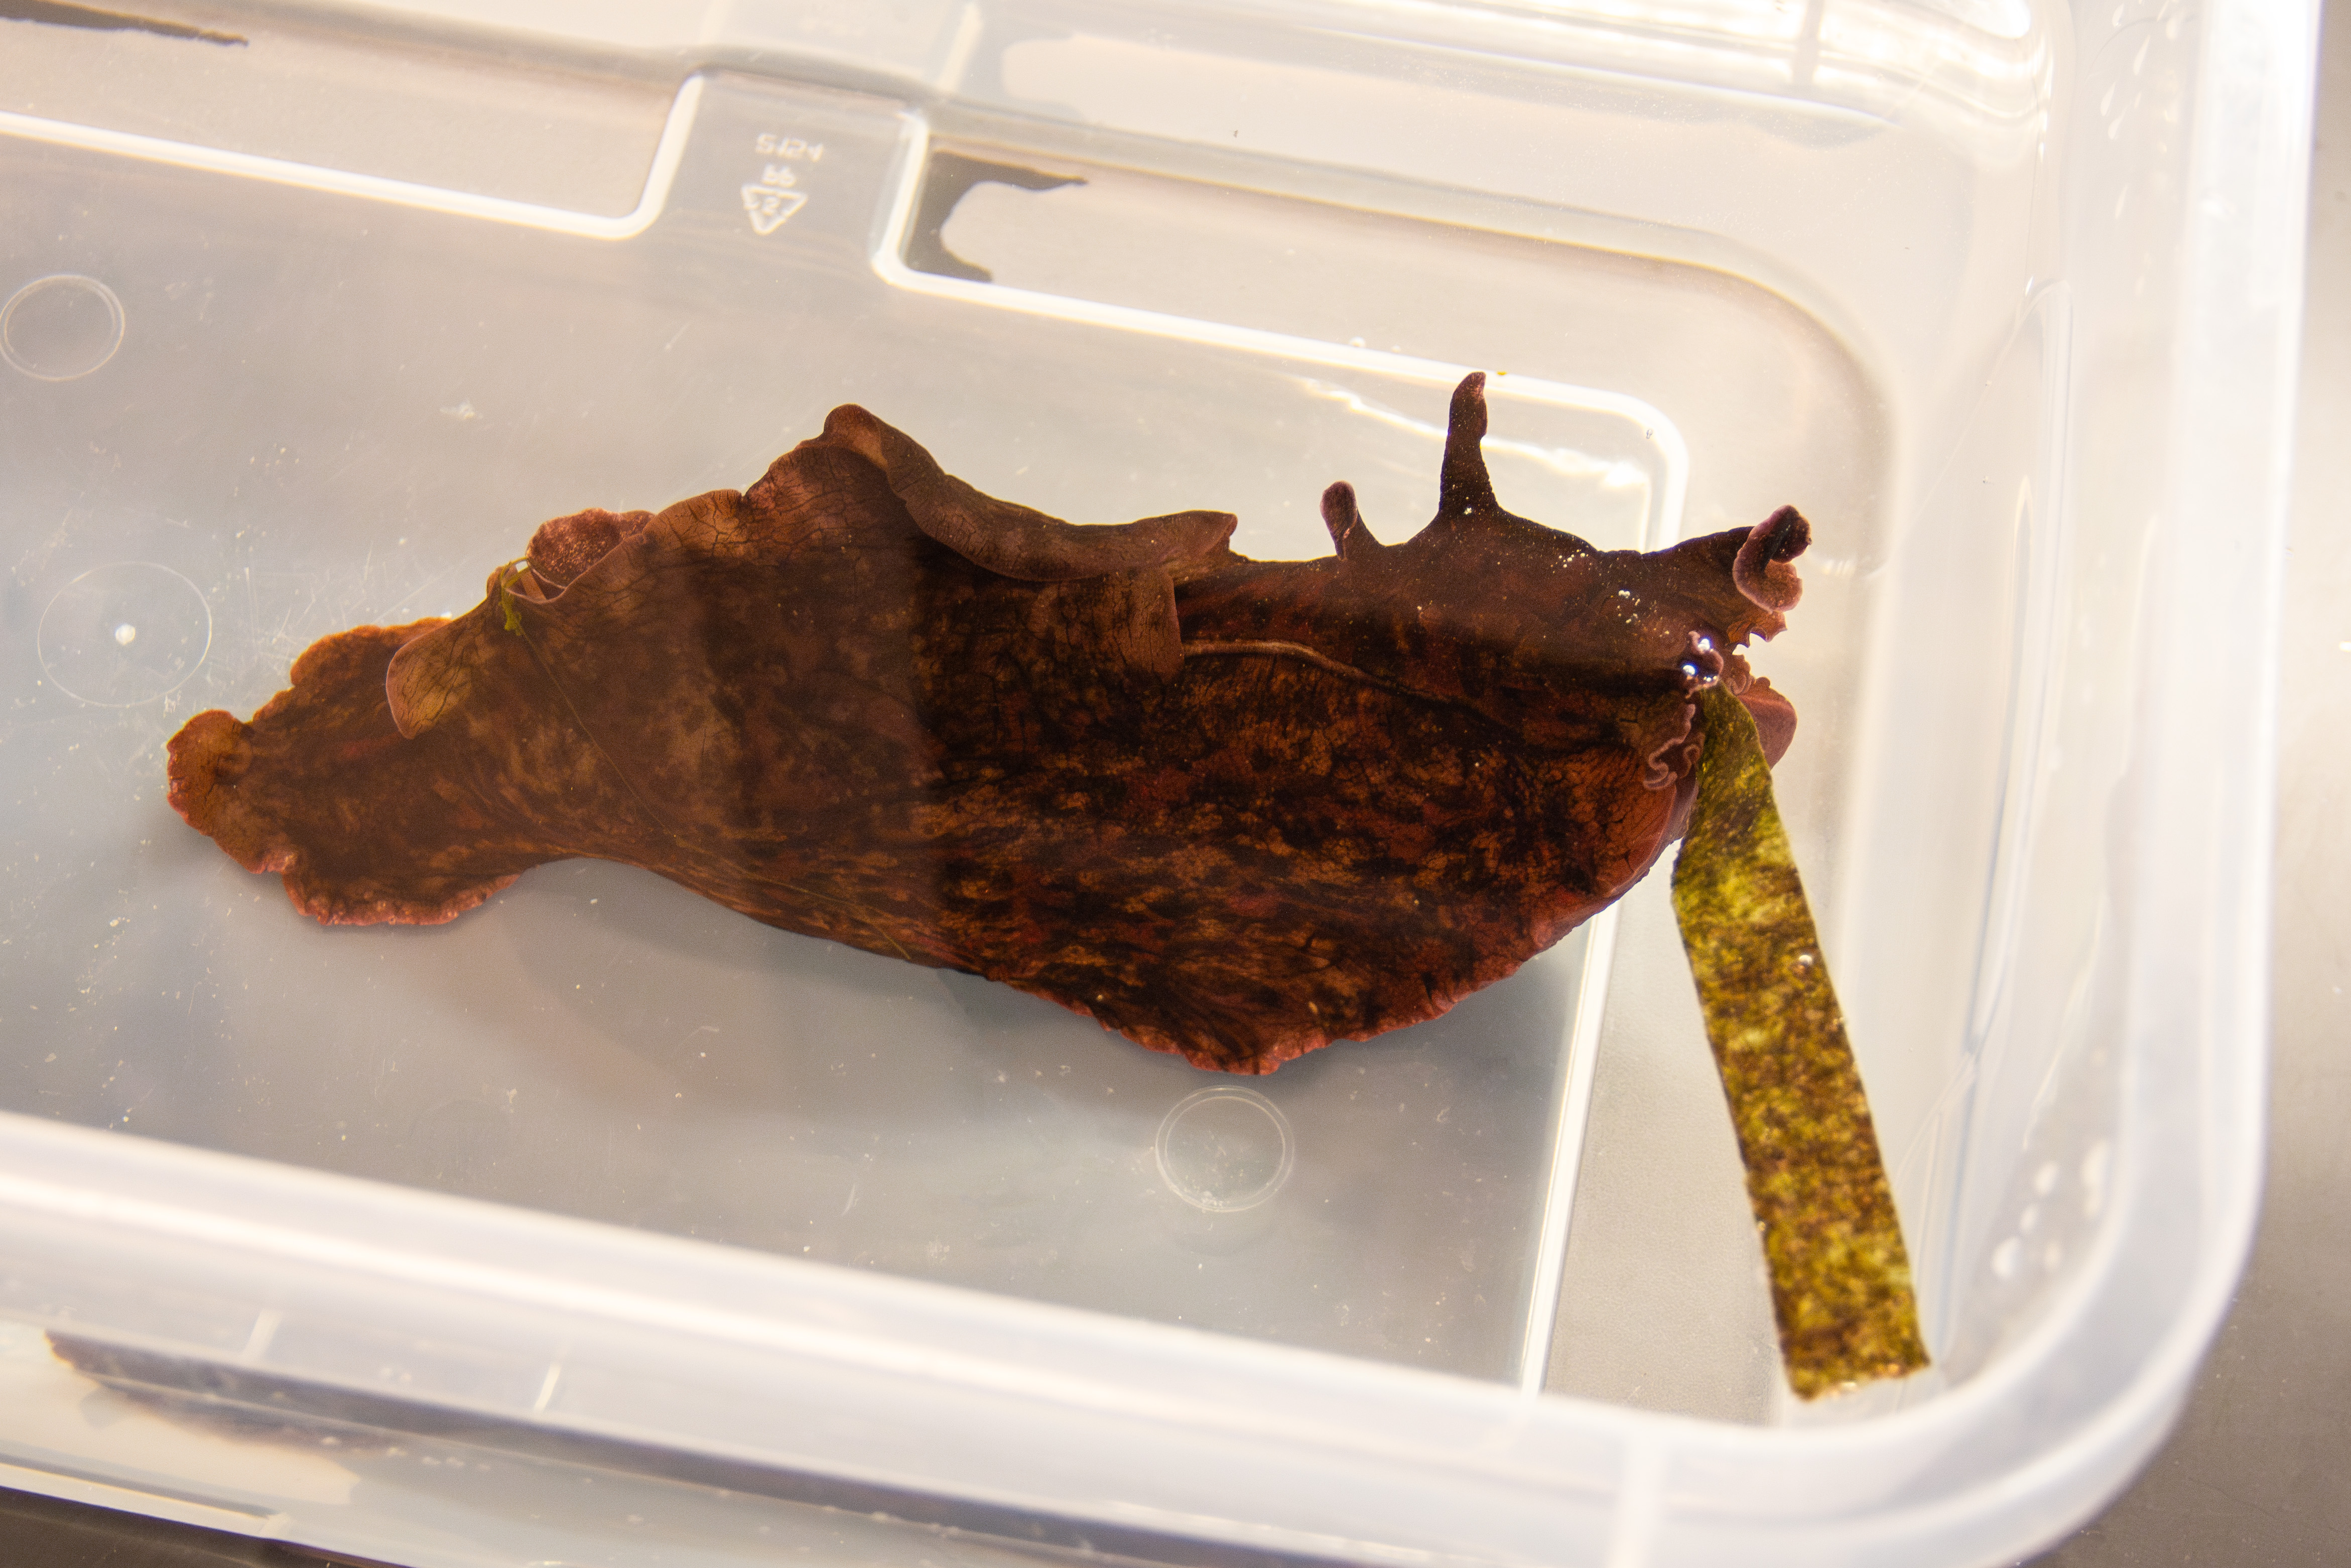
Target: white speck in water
125 634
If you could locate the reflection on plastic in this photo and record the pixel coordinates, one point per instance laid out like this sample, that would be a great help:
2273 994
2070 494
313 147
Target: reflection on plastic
61 327
668 153
121 635
1225 1149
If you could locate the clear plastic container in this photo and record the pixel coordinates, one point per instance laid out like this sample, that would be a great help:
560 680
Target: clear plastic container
604 1225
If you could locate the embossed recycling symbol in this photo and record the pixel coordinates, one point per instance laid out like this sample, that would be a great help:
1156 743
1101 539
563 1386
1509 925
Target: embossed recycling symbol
769 206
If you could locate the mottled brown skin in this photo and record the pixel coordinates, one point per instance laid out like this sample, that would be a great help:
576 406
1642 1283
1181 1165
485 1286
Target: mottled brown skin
1232 809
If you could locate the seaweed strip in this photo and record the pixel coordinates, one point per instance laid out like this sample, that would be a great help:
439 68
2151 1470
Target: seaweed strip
1839 1276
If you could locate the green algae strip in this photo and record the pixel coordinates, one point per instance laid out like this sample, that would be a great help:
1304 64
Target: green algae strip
1839 1276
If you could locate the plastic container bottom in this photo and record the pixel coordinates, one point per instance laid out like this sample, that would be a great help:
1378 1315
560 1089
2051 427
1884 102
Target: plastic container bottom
605 1224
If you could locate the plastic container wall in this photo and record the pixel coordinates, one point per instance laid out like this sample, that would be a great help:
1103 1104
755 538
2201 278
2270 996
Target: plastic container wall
2033 278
